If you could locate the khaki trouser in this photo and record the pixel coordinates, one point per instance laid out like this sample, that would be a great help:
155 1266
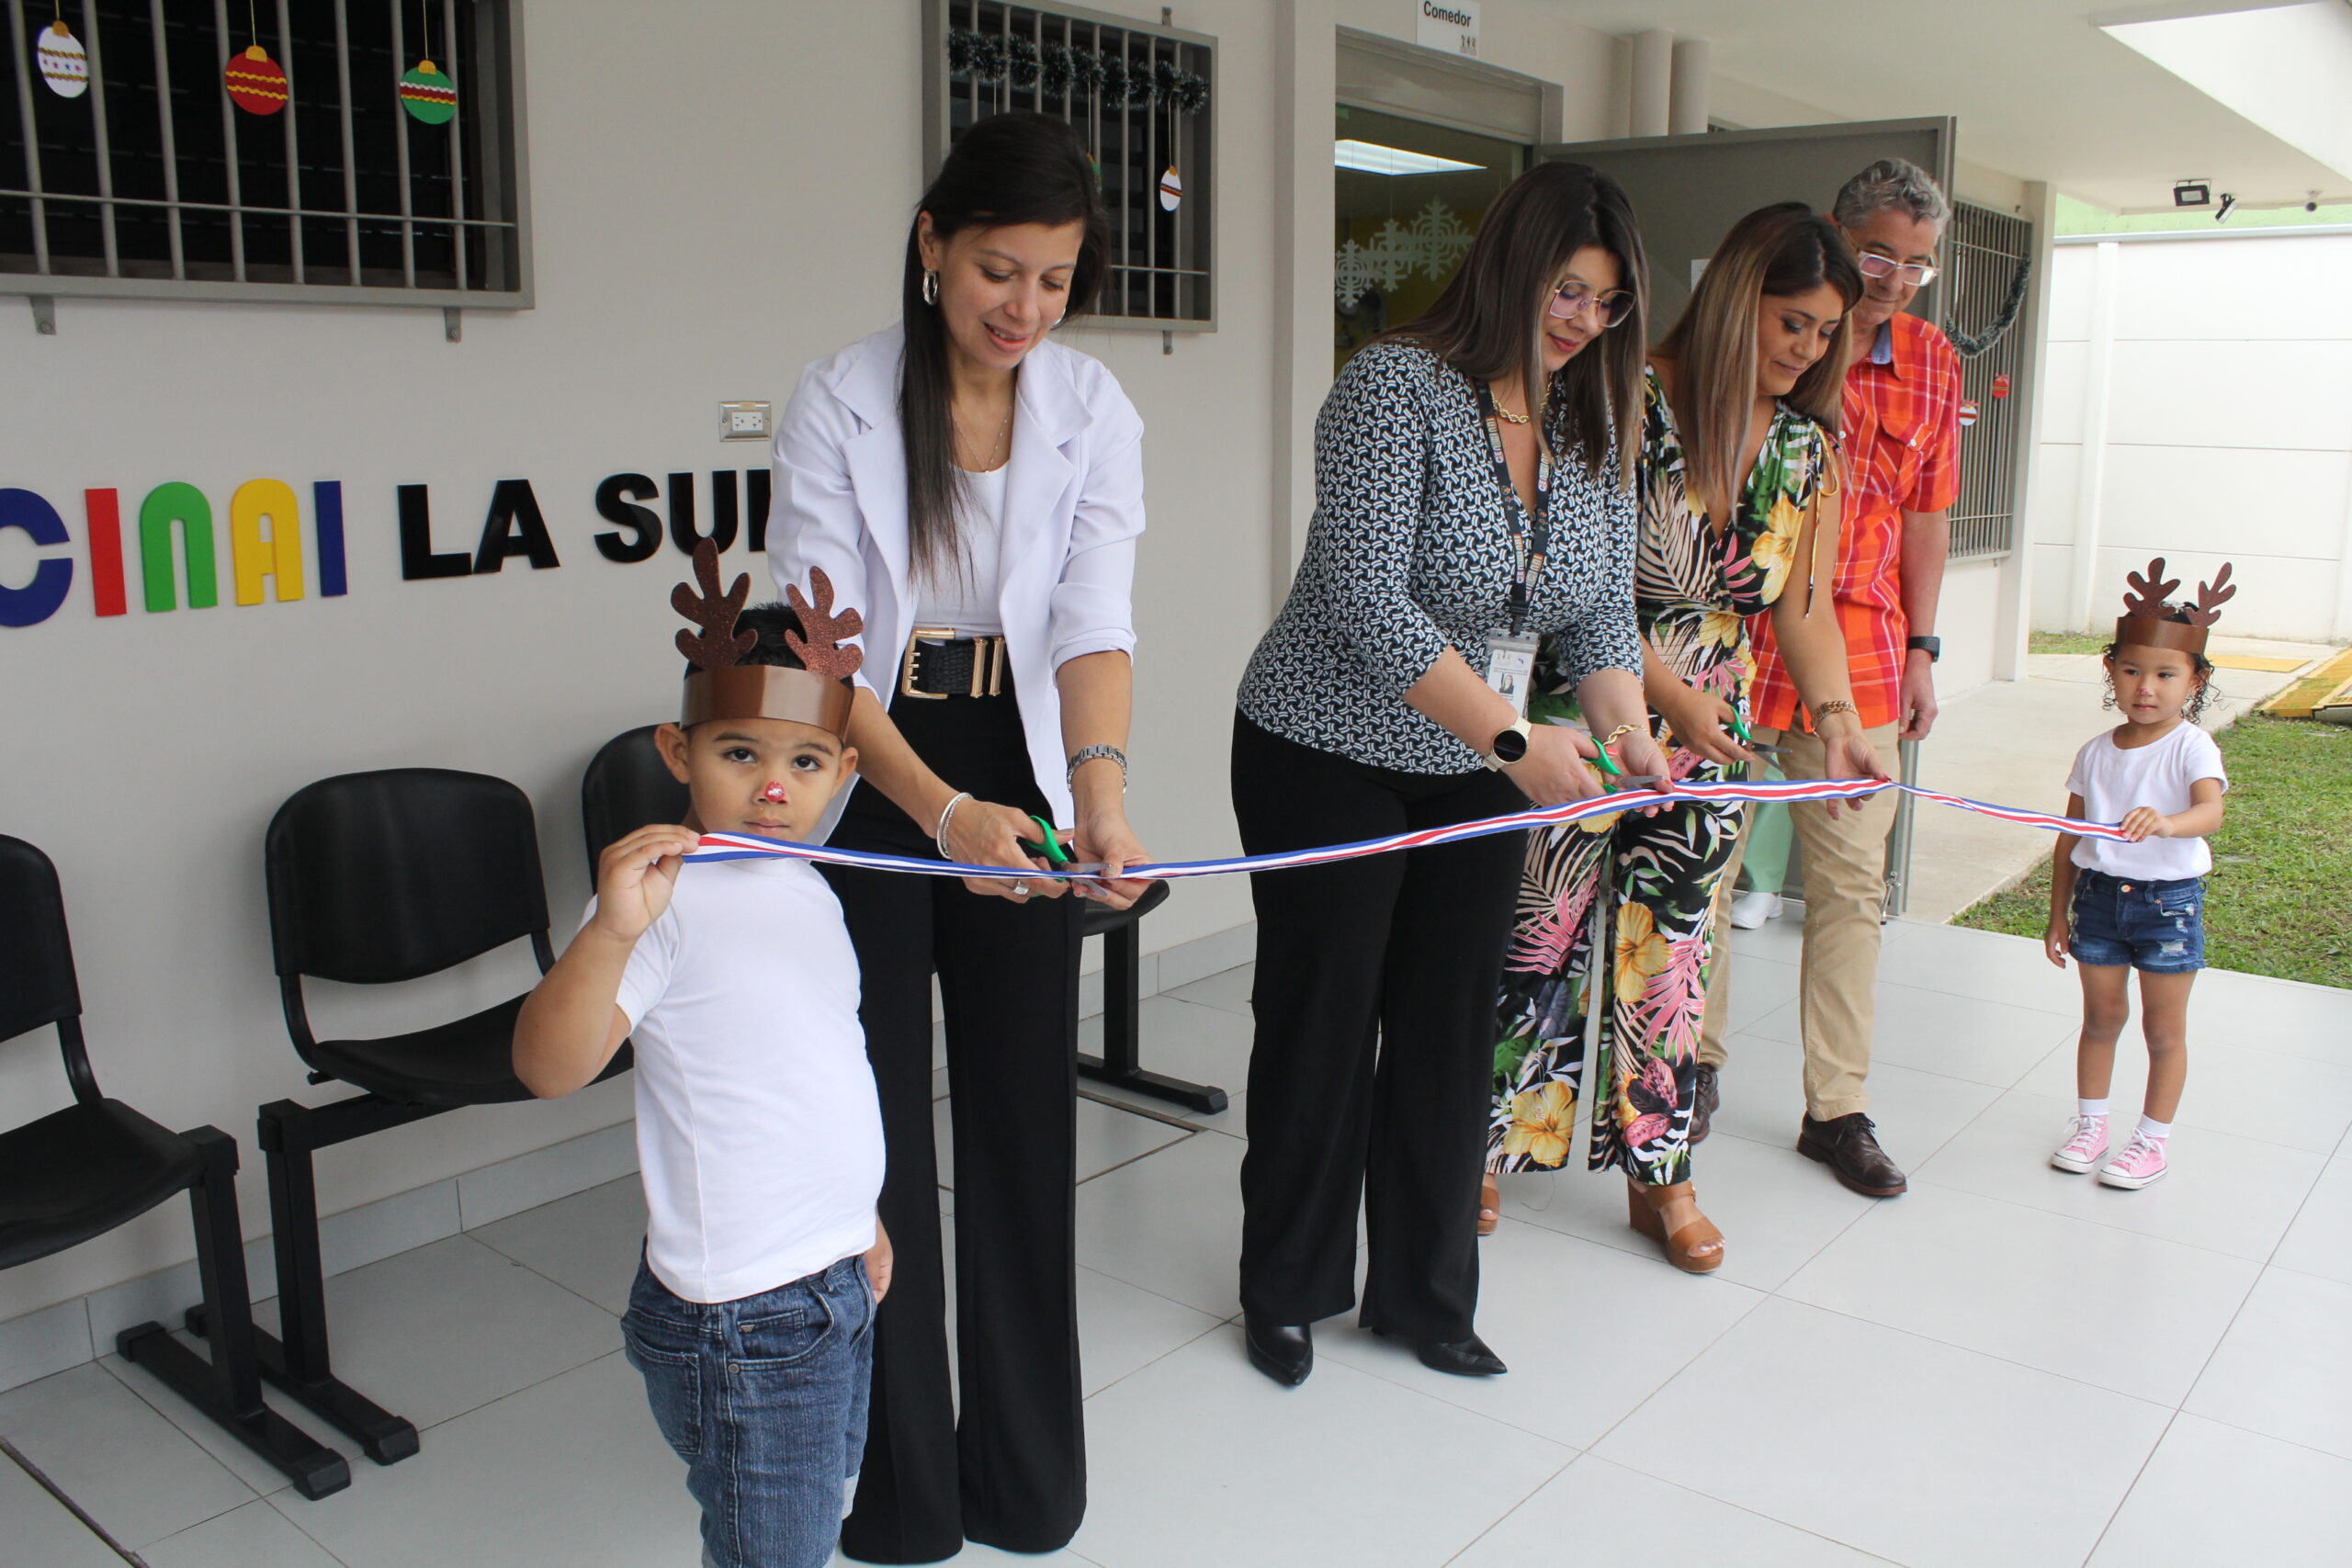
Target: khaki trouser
1844 891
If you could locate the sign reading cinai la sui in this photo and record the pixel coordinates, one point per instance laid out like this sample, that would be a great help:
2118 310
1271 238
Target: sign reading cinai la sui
1448 25
175 553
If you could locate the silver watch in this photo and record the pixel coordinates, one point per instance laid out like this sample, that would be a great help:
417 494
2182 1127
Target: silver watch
1089 753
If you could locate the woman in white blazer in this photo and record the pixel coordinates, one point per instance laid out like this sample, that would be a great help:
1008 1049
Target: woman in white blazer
975 492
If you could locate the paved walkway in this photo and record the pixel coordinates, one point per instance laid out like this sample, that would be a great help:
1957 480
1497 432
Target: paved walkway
2012 741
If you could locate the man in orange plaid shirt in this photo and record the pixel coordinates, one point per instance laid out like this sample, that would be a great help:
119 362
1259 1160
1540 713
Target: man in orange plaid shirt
1901 449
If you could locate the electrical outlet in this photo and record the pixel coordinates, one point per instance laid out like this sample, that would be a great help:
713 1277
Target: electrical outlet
746 421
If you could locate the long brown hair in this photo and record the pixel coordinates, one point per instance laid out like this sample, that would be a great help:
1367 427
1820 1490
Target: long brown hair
1490 320
1782 249
1006 170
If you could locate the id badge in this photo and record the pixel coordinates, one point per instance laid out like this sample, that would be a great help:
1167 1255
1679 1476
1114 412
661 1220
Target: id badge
1510 667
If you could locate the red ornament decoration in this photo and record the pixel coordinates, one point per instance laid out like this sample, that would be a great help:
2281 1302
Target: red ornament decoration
2001 386
255 83
1968 414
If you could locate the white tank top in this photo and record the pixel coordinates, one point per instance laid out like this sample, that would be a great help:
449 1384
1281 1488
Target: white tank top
966 601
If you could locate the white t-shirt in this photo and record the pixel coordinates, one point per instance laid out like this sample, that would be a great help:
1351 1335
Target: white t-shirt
758 1134
967 601
2113 781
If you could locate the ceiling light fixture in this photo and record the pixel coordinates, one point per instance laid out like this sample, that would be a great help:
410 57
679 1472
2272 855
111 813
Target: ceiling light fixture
1371 158
2192 193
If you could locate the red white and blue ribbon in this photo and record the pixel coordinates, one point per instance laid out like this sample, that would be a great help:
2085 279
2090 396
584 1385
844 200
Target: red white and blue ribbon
737 846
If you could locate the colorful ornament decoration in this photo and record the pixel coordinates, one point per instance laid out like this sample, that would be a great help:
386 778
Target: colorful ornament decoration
256 83
2001 385
1967 413
1172 189
428 95
63 64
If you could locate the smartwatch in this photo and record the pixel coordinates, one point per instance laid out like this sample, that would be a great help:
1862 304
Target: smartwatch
1510 746
1933 647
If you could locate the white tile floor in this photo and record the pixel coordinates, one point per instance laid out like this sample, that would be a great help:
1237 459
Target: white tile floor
2007 1368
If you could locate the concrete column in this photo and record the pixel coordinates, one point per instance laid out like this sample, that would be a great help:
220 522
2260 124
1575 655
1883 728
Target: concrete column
1686 115
2014 613
2090 489
1652 84
1306 85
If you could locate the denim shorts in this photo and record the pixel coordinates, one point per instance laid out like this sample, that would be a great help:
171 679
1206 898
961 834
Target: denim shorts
765 1398
2156 927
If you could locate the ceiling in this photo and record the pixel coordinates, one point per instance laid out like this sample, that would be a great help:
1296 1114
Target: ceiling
2039 92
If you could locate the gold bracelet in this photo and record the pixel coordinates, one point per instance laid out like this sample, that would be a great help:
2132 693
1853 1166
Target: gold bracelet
1835 705
1618 734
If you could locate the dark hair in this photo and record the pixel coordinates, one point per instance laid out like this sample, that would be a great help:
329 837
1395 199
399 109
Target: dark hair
1007 169
2197 700
1489 320
1777 251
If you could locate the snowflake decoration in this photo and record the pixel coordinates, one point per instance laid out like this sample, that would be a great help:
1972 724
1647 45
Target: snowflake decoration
1432 245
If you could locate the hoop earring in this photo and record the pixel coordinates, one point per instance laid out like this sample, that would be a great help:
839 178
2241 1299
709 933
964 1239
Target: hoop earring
930 287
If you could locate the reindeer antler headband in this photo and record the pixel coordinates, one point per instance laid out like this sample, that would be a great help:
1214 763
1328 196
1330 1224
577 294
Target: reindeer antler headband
2150 622
720 686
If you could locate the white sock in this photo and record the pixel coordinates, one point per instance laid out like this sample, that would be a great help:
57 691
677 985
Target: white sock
2151 1128
2097 1108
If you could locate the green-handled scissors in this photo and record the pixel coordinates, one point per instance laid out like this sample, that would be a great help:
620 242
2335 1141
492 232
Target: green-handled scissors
1048 847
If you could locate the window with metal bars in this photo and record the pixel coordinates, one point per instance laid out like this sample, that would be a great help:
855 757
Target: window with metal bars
152 184
1141 99
1988 255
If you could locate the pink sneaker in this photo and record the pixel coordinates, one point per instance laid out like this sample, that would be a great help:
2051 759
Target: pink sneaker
2142 1161
2082 1151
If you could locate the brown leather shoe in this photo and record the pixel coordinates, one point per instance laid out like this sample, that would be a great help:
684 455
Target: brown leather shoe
1703 1100
1848 1146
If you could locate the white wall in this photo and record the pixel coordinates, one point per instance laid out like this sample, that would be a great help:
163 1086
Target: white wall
145 754
2227 417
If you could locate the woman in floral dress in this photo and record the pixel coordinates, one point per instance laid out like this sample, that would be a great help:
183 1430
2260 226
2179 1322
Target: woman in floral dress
1742 400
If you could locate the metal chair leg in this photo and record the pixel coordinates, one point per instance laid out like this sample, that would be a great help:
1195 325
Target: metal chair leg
227 1388
1120 1062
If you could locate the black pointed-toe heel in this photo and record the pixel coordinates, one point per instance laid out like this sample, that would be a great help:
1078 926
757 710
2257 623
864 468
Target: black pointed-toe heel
1463 1357
1284 1352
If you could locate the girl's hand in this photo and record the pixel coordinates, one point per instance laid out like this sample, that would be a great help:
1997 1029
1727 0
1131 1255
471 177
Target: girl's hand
636 877
1104 834
1701 722
1553 771
2146 822
984 833
2055 940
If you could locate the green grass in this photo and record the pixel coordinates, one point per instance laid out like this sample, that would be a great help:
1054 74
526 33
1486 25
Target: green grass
2065 642
2279 900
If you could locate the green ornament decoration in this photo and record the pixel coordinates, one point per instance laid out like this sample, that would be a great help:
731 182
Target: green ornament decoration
428 95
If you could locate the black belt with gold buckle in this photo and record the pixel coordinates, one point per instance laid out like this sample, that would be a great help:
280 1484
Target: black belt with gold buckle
939 664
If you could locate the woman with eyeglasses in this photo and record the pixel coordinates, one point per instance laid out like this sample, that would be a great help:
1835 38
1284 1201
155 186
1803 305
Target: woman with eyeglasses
1737 485
1473 476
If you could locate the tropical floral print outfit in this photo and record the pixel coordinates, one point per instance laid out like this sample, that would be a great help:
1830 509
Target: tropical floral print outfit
1694 592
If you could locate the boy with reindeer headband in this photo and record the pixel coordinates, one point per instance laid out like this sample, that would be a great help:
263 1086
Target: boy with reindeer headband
2140 905
759 1135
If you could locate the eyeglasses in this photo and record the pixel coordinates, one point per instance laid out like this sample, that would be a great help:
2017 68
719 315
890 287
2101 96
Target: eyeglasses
1913 275
1572 298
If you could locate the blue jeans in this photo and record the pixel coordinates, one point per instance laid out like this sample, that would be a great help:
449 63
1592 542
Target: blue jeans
2157 927
764 1399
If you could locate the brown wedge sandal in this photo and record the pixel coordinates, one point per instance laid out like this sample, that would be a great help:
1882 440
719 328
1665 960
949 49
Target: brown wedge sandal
1642 1210
1491 1205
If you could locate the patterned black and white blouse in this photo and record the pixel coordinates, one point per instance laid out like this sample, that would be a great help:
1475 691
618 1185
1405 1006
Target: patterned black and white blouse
1410 553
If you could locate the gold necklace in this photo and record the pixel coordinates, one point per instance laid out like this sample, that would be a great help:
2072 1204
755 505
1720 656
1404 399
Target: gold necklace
1001 443
1508 417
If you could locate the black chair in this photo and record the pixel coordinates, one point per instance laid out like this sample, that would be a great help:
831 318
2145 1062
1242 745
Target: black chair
78 1173
1120 1062
626 786
375 878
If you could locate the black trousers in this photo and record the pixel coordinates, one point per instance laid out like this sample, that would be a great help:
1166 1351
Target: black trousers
1012 1474
1370 1072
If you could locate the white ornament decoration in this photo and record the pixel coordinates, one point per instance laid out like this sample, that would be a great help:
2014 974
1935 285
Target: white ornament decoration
63 64
1434 244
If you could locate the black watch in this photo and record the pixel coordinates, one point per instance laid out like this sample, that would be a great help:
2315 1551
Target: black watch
1933 647
1509 745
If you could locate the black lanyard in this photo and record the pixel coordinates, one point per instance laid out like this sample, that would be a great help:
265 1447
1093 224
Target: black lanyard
1530 541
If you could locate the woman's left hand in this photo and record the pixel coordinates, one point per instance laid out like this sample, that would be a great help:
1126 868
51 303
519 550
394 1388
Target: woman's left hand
1104 835
1850 756
1639 753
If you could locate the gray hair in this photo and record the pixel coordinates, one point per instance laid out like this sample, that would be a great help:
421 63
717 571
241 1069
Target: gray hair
1893 184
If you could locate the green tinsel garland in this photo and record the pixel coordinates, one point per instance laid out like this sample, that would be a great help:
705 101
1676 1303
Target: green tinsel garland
1063 71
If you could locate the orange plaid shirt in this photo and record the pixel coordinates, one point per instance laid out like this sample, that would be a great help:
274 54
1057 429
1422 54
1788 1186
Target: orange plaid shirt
1901 446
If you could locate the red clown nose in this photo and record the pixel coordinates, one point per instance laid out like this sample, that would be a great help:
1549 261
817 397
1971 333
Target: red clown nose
774 793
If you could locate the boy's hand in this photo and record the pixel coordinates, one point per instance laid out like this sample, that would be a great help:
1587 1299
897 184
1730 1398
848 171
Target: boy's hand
2055 939
636 877
879 1261
2146 822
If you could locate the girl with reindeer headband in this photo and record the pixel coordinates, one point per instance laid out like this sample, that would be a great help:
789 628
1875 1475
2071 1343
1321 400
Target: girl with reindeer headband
2117 907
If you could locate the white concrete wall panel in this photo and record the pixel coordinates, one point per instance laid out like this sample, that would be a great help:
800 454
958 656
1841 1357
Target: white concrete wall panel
2290 290
2069 293
1965 610
2232 392
2050 498
2176 500
2064 367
